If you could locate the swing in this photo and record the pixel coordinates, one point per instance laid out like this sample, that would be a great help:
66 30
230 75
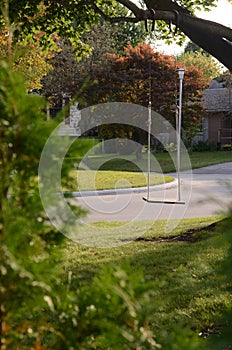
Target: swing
178 129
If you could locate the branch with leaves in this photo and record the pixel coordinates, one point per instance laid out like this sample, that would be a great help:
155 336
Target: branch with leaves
71 18
211 36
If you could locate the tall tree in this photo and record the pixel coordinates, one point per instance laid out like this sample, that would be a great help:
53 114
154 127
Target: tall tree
71 18
206 63
192 47
28 58
128 77
67 70
102 38
226 79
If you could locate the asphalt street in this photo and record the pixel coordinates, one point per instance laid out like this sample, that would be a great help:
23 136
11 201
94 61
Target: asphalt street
205 192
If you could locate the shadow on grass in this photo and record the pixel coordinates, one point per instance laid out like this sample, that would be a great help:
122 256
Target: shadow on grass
196 282
191 272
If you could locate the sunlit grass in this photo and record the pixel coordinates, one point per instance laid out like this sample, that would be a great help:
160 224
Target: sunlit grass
103 180
193 291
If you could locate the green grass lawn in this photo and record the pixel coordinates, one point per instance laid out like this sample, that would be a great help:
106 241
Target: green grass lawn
104 180
190 268
201 159
193 276
162 161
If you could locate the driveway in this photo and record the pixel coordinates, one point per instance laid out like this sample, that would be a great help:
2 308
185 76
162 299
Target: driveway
205 192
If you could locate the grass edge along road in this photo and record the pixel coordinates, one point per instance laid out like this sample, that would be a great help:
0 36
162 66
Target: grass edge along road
103 180
129 162
192 276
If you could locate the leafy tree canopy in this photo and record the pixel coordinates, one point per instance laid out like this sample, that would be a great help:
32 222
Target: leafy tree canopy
102 38
205 63
225 78
71 18
27 58
192 47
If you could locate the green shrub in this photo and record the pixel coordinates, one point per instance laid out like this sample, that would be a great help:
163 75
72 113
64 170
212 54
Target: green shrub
28 242
170 147
114 312
201 146
227 147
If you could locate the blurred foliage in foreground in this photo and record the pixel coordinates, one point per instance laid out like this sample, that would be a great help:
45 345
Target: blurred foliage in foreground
37 310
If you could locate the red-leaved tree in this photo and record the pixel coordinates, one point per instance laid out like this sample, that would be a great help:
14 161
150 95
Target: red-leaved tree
142 73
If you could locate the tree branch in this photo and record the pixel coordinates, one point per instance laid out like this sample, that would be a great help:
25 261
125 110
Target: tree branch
131 6
212 37
141 16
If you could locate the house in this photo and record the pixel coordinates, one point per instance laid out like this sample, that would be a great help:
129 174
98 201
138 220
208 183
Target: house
217 126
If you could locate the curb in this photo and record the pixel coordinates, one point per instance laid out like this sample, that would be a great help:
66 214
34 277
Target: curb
122 190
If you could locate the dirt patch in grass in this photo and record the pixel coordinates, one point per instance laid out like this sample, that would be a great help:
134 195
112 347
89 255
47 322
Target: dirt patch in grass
190 236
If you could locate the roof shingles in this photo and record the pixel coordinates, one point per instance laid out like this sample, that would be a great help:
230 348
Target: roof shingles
218 98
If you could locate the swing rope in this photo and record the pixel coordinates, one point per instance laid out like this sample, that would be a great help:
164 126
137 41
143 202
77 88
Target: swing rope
149 122
178 129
